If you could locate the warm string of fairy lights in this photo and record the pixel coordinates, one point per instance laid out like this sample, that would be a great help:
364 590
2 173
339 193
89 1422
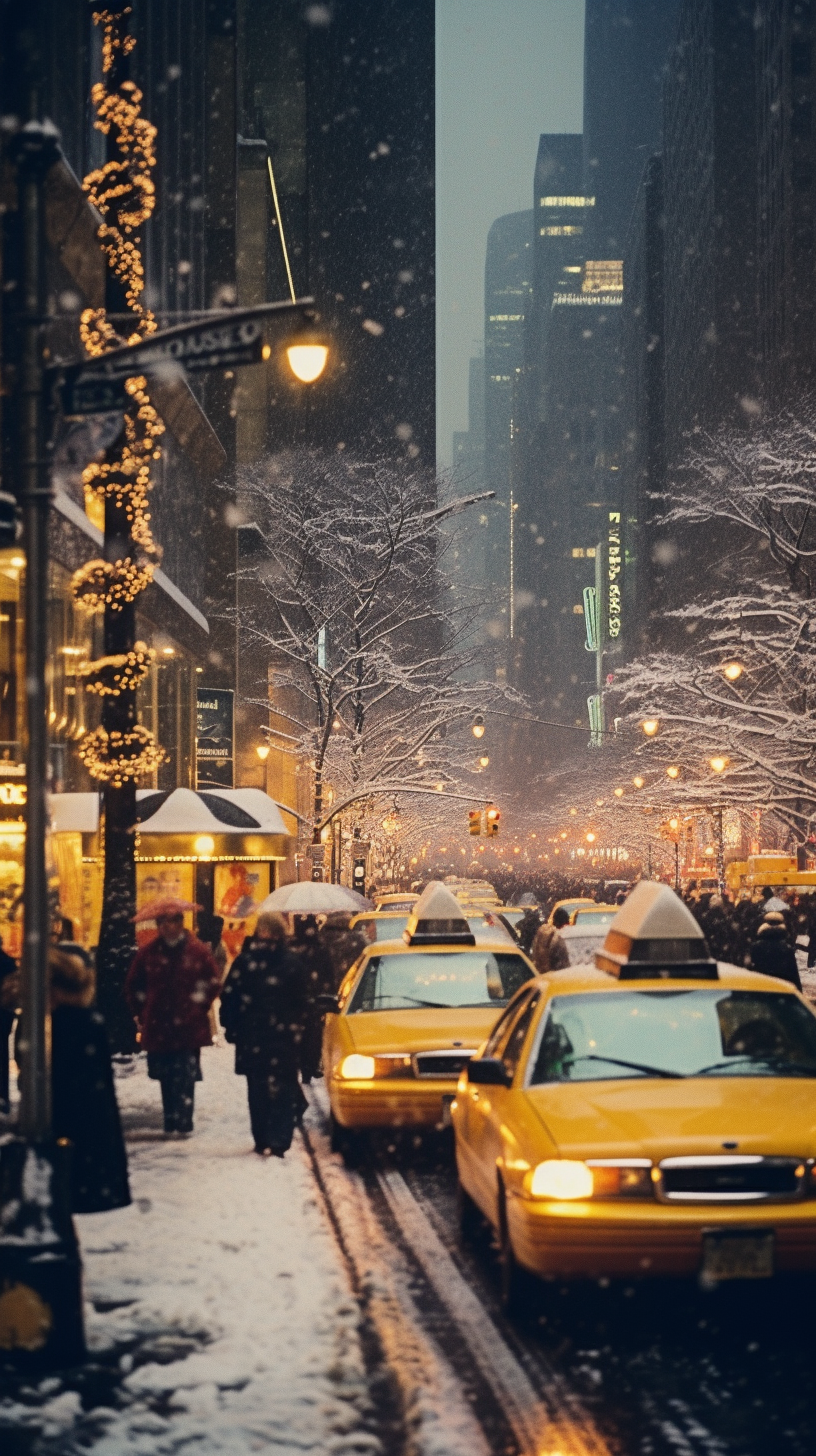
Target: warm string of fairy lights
118 757
124 194
120 673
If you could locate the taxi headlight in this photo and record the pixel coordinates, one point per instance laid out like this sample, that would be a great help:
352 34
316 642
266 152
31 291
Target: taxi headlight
357 1068
562 1178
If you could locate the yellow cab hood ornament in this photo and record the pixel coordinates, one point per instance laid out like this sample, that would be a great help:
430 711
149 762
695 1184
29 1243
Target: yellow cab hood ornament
655 936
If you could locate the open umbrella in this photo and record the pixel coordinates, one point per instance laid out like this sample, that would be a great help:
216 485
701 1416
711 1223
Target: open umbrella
313 897
152 909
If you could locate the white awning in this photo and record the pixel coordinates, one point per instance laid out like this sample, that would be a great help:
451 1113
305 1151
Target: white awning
177 811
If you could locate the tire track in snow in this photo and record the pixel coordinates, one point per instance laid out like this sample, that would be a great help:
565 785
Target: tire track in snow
548 1421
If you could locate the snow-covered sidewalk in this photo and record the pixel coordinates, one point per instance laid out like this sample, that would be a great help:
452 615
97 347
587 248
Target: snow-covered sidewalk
217 1303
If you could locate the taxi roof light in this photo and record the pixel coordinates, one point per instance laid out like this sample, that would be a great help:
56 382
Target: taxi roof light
437 919
654 936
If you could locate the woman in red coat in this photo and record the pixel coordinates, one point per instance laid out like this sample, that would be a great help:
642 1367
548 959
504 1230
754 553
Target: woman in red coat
169 988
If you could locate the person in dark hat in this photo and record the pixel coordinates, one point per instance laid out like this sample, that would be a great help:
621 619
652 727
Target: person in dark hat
772 953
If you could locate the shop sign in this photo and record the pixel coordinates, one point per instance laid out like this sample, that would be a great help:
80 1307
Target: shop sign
215 732
613 572
14 794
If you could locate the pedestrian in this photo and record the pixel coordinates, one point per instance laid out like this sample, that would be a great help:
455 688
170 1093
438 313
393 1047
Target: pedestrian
317 977
83 1096
341 944
210 929
772 953
263 1010
549 951
527 927
169 988
9 995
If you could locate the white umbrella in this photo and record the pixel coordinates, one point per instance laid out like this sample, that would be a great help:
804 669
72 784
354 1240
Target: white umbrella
313 897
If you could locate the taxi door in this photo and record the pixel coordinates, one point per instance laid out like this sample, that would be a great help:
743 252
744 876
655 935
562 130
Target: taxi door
486 1110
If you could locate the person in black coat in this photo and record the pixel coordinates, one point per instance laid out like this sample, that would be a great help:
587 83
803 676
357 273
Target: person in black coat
83 1097
263 1010
318 979
772 953
8 997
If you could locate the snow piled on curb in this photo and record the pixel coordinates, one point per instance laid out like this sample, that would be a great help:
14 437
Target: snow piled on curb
224 1286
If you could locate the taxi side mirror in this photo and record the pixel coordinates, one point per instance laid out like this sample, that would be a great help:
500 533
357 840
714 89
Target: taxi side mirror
488 1072
328 1002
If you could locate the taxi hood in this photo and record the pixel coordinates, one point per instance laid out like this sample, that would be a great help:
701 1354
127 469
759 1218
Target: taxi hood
647 1119
422 1030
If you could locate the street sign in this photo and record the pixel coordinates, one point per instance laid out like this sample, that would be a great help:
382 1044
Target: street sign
93 394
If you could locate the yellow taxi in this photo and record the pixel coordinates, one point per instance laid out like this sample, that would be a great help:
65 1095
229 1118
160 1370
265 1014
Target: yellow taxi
570 906
397 901
410 1014
654 1114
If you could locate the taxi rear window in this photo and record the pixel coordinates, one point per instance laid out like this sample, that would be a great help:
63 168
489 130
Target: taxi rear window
439 979
605 1036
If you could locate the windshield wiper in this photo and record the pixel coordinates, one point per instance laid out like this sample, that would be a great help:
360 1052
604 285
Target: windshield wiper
395 996
636 1066
807 1069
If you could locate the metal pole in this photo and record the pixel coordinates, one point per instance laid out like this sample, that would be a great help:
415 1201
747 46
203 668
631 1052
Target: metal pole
677 864
718 819
37 151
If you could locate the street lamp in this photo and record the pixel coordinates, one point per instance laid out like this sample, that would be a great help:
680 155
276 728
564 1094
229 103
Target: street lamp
484 760
638 781
673 771
591 838
618 793
732 670
262 751
650 726
478 726
307 360
718 763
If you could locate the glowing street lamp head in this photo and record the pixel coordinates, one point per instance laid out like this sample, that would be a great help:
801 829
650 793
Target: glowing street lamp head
262 751
478 726
618 793
718 763
484 760
673 771
638 781
307 361
591 837
650 726
732 670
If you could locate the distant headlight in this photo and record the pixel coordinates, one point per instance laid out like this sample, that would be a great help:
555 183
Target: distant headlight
563 1179
357 1068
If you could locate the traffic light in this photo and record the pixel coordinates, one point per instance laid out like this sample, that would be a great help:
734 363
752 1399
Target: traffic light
474 821
492 818
358 875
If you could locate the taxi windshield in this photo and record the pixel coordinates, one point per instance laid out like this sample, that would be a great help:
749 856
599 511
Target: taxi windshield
441 979
699 1033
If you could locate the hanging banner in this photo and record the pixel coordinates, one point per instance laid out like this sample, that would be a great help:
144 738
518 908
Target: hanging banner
215 733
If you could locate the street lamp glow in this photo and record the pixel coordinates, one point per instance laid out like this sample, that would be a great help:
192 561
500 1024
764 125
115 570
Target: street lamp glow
650 726
484 760
478 727
718 763
674 824
262 751
732 670
591 837
204 846
307 361
618 793
638 781
673 771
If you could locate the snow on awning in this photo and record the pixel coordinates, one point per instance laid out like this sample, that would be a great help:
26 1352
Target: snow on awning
213 811
177 811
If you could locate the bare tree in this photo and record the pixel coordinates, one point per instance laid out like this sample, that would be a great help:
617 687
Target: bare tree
344 599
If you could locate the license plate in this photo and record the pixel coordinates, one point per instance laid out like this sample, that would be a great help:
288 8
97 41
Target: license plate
447 1099
738 1256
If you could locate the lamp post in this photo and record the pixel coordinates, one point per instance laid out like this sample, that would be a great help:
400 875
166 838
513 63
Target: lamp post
40 1277
719 764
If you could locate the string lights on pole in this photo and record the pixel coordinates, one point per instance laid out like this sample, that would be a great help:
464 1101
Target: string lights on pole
123 192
